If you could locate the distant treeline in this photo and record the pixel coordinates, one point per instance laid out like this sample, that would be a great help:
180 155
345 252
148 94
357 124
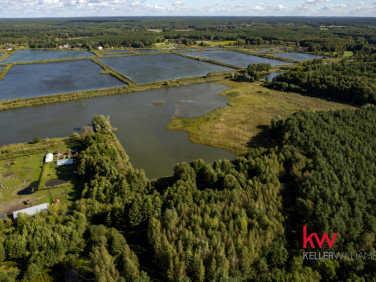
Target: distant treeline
330 34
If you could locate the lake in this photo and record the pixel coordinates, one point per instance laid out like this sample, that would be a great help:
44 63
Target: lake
141 125
297 56
39 55
234 58
33 80
158 67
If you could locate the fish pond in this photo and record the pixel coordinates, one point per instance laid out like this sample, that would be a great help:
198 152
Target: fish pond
234 58
297 56
33 80
40 55
158 67
141 119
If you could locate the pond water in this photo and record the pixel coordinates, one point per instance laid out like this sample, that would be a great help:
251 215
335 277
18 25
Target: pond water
235 58
39 55
158 67
270 76
297 56
33 80
141 125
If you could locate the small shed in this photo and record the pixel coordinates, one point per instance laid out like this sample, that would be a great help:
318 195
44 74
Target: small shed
32 210
49 158
100 48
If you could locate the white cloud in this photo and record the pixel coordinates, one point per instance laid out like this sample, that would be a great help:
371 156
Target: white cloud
42 8
313 2
176 3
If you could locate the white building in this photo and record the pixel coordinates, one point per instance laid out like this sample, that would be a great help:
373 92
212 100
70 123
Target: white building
32 210
100 48
49 158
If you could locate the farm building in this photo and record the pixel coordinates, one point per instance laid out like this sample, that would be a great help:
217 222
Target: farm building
49 158
32 211
65 162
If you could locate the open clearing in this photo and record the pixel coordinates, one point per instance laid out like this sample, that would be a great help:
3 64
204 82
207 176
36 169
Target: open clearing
252 107
20 169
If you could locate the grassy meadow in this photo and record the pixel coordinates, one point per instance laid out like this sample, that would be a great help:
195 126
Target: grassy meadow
21 170
244 122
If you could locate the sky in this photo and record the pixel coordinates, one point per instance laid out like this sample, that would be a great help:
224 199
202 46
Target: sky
84 8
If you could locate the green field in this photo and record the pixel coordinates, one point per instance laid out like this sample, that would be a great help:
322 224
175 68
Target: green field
348 53
20 172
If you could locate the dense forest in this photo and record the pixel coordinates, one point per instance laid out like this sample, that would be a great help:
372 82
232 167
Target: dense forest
224 221
351 81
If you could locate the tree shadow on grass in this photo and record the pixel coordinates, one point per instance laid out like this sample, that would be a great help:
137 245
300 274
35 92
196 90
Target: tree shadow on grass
29 189
268 137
